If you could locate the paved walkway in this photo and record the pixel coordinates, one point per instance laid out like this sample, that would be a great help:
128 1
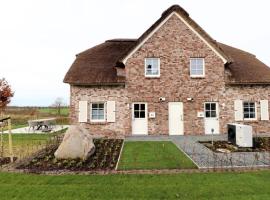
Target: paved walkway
26 130
205 158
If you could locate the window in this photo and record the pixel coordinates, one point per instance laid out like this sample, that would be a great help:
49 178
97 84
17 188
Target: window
97 112
197 67
152 68
249 110
210 110
139 110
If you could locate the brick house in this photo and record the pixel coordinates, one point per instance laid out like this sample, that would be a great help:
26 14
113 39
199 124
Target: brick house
173 80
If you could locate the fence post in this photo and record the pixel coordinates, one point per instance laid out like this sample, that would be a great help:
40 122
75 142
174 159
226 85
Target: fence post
10 141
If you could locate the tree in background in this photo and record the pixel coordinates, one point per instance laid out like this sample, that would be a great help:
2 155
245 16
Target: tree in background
58 104
5 94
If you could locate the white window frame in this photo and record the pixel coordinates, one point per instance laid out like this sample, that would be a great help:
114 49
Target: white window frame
197 76
255 107
98 120
145 68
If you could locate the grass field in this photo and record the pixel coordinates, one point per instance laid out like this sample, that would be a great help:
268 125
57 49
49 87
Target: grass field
219 186
53 111
26 144
153 155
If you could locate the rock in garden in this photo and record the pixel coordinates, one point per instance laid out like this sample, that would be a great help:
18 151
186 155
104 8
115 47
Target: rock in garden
223 150
77 143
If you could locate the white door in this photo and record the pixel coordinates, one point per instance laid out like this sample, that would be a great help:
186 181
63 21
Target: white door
139 119
211 119
176 125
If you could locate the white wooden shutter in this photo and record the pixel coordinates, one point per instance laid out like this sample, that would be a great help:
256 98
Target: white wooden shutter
264 110
83 111
238 110
110 111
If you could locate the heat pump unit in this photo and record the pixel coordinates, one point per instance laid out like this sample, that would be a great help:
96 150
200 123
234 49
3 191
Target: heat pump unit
240 135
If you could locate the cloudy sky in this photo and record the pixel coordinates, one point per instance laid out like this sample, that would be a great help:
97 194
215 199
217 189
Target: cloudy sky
39 38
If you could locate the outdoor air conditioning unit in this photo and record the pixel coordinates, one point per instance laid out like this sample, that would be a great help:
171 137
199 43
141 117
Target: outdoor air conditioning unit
240 135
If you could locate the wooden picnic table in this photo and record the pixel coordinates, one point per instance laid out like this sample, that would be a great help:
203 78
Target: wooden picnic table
38 124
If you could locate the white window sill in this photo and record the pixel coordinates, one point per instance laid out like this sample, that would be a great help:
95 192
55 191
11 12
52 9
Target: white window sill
250 119
97 121
197 76
152 76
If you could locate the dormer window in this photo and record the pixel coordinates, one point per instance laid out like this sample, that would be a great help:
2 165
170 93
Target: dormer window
152 67
197 68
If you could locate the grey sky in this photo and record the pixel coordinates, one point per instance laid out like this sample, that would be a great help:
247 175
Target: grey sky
39 38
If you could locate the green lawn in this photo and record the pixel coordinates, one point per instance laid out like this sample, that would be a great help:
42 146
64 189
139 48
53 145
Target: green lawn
153 155
220 186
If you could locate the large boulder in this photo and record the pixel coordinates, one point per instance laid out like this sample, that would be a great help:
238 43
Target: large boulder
77 143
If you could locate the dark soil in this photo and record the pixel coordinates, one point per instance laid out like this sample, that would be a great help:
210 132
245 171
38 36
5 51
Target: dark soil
6 160
260 144
105 158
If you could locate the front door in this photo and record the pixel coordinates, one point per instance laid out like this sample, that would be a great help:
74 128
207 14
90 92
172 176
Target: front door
211 119
176 125
139 119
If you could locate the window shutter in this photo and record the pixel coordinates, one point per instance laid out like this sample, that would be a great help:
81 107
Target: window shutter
264 110
83 111
238 110
110 111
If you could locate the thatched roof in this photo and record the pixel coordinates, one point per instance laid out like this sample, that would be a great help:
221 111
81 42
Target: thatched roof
97 65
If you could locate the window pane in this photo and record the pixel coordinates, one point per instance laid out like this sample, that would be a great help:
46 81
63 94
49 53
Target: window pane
136 106
136 114
193 62
94 105
246 110
100 117
94 117
100 112
246 105
207 113
207 106
200 72
142 106
213 114
246 115
101 105
252 115
142 114
94 112
213 106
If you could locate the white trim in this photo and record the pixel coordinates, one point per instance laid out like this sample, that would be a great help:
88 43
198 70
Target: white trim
160 25
98 120
197 76
145 68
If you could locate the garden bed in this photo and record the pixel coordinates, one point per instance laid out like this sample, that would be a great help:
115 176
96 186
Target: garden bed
105 158
6 160
260 144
